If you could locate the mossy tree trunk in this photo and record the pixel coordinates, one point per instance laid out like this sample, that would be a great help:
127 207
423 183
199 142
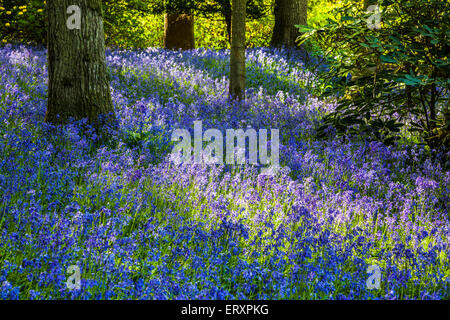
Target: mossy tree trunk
288 13
78 83
179 31
237 54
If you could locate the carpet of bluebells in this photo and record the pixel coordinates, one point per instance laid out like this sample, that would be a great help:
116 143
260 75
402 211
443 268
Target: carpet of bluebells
141 227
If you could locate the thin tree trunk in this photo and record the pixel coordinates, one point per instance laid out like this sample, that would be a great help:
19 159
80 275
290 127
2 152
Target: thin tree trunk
237 54
179 31
227 15
78 84
228 22
288 13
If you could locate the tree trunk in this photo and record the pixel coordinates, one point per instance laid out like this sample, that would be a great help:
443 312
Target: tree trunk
78 84
237 54
288 13
227 15
179 31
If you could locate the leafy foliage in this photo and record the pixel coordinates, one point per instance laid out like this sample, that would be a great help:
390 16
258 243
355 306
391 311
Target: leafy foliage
137 23
22 21
255 8
319 11
389 77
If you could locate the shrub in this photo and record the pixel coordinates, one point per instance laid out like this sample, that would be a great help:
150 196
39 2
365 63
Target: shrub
23 21
389 77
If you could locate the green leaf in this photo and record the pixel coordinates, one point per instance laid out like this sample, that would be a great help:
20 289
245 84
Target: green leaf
387 59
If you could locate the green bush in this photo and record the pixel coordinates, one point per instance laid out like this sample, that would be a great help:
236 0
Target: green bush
389 77
128 26
23 21
131 23
320 11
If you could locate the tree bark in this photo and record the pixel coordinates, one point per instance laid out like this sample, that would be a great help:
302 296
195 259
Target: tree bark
288 13
78 83
228 23
179 31
227 14
237 54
